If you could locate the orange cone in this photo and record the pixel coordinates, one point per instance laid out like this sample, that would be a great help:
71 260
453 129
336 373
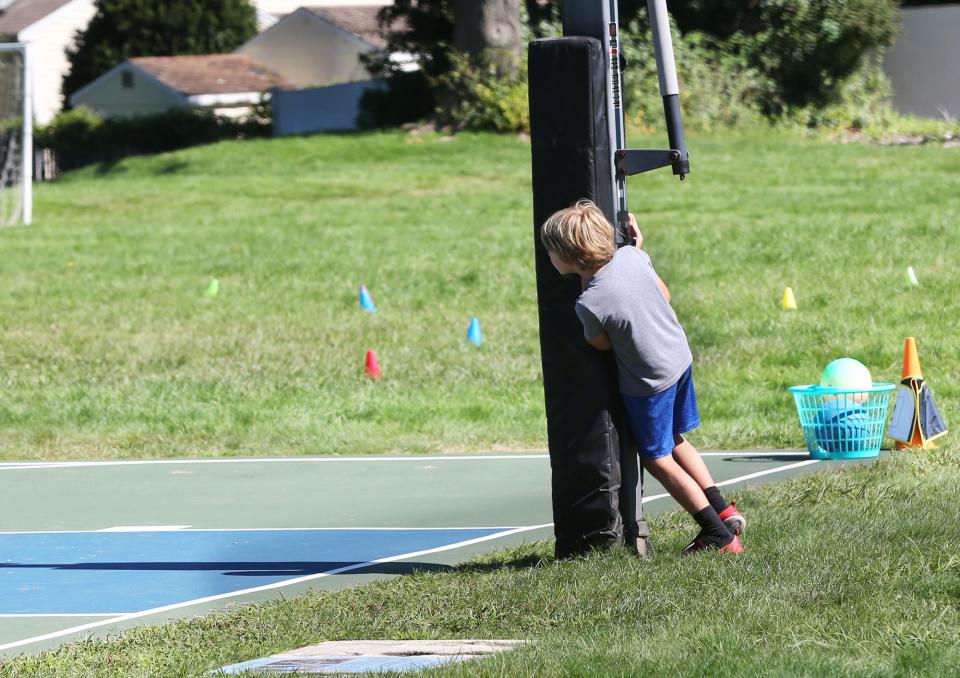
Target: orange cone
911 370
911 361
372 368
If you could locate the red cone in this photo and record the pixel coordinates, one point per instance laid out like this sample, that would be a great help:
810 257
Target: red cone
372 369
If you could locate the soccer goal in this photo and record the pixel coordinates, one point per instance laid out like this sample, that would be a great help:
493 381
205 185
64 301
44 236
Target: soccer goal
16 135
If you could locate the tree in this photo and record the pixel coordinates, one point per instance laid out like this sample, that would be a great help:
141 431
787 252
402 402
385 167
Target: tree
121 29
436 33
482 25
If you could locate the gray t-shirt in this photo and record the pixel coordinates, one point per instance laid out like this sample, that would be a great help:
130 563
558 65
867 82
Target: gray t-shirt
624 300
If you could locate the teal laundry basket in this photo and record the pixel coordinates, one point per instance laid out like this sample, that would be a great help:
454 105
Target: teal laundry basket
842 423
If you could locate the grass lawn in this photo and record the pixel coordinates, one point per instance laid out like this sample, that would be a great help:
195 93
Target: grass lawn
847 574
109 348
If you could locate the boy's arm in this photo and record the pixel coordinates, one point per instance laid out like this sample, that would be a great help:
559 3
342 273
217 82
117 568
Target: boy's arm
601 342
638 243
593 332
634 231
663 289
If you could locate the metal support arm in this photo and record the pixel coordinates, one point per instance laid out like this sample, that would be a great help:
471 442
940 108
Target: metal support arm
630 162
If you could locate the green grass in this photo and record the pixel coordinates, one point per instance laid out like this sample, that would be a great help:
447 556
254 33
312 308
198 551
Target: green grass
847 574
109 348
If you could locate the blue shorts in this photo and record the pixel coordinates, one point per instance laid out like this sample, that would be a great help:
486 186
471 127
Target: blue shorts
655 419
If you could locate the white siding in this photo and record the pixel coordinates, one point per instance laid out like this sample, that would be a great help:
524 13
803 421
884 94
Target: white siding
49 39
309 52
110 98
924 65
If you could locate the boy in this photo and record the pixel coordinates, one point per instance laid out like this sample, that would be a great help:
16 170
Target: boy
625 307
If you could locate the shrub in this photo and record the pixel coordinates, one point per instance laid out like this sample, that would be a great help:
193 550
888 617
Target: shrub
717 86
808 62
489 93
804 48
809 47
404 97
81 137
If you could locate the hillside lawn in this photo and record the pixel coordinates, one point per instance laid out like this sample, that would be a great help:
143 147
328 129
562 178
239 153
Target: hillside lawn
109 349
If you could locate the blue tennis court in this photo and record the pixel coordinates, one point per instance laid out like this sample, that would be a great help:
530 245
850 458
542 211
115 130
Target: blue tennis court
94 573
93 548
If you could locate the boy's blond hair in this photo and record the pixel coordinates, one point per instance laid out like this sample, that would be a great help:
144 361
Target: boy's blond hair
580 235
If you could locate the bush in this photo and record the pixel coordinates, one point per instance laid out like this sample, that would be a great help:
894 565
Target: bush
809 47
803 62
80 137
489 93
805 49
718 88
404 97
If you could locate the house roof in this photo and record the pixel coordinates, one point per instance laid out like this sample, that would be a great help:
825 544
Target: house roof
23 13
361 20
212 73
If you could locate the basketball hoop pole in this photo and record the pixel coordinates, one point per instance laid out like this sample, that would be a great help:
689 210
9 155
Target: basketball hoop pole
598 19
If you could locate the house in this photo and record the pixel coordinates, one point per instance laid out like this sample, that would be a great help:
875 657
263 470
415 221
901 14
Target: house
319 48
224 83
48 27
315 46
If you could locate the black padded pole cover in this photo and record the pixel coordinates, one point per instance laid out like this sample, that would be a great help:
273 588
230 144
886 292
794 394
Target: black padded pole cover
571 160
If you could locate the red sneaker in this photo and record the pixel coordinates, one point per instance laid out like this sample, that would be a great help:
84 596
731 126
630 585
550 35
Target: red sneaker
733 519
700 543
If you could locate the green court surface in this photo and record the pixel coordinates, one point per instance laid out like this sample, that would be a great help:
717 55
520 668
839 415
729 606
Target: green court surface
230 531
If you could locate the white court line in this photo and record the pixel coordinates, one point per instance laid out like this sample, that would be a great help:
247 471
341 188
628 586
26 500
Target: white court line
32 465
269 529
770 453
275 585
29 465
144 528
31 615
740 479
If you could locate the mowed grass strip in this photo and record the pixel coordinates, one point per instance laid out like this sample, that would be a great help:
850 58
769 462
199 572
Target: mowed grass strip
109 348
847 573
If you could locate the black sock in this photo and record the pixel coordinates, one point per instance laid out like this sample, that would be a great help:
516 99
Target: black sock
712 527
715 498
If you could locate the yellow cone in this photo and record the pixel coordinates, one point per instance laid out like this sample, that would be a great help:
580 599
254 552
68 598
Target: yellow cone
789 301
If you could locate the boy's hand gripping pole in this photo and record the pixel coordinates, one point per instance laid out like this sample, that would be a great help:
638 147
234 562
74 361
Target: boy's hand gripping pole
630 162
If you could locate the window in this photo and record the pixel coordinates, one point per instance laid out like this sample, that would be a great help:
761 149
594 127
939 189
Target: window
126 80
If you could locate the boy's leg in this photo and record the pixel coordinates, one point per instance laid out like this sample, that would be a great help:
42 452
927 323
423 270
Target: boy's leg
689 459
653 420
679 484
683 488
692 463
686 418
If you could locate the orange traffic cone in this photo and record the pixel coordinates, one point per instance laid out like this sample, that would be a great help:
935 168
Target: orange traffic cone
372 368
911 370
927 423
911 361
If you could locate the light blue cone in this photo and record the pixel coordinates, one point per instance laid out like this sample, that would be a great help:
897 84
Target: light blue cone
366 301
474 335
